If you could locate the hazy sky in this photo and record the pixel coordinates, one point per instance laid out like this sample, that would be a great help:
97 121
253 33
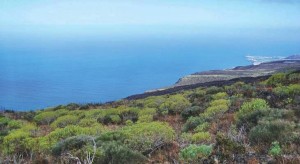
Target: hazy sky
149 17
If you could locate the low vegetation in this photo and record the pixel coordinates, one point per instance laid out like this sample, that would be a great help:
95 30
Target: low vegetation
241 123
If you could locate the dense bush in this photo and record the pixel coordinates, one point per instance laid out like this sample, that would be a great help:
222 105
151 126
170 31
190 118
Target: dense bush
73 145
201 137
175 104
220 95
268 131
275 149
145 118
249 107
143 137
46 118
192 123
191 111
277 79
202 127
226 148
64 121
195 153
117 153
238 121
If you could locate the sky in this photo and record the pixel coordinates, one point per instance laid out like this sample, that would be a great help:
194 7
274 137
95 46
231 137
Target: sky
135 18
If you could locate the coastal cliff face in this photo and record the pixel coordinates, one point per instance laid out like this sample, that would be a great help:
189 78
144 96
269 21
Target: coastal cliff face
263 69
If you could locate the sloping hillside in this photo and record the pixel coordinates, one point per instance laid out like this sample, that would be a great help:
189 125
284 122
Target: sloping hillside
263 69
234 122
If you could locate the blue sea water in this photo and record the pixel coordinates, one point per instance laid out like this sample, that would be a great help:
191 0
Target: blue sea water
38 73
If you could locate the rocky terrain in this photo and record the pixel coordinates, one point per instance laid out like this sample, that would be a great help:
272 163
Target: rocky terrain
263 69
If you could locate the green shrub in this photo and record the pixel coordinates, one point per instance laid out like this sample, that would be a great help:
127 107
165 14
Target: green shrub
147 111
64 121
294 77
252 106
73 145
191 111
214 111
201 137
267 131
46 118
251 119
220 102
46 142
15 124
117 153
87 122
129 113
275 149
202 127
145 118
194 153
277 79
129 122
186 137
226 148
192 123
154 101
115 119
220 95
19 141
214 90
175 104
143 137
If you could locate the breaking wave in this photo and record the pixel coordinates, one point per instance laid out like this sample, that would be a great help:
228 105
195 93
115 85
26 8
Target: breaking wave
255 60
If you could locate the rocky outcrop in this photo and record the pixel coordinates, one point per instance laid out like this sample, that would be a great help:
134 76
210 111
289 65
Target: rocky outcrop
262 69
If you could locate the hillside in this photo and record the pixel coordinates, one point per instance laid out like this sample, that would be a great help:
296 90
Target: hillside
263 69
244 120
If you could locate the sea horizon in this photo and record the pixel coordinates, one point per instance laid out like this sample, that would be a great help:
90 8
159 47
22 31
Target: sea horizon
98 71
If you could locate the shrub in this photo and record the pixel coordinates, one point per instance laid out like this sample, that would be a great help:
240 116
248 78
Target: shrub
220 95
213 111
130 114
192 123
147 111
277 79
214 90
294 77
202 127
19 141
87 122
154 102
175 104
115 152
73 145
58 134
46 118
64 121
143 137
294 89
145 118
129 122
115 119
251 119
201 137
14 124
186 137
252 106
194 153
226 148
267 131
191 111
275 149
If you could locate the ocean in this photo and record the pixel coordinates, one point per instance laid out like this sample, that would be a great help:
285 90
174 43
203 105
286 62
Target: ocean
39 73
